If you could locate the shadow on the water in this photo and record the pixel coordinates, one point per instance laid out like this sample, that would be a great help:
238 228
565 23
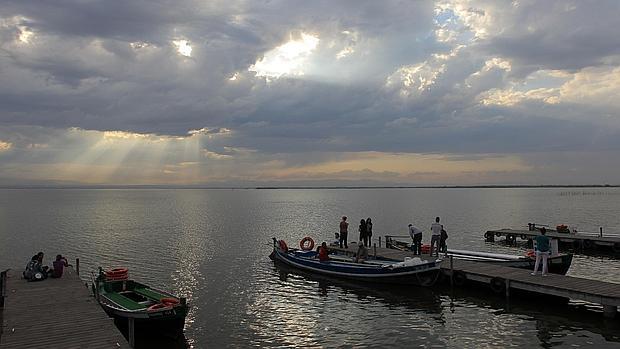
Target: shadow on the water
148 339
426 299
551 314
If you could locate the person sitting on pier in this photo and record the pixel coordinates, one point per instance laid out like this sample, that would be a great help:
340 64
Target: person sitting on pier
362 253
59 265
542 251
35 271
323 252
416 236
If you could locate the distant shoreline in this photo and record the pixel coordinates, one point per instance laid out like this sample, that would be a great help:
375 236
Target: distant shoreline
305 187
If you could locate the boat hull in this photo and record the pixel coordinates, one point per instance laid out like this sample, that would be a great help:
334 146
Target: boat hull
422 274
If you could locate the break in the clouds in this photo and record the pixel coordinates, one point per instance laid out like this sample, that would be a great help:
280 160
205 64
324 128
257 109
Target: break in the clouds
297 92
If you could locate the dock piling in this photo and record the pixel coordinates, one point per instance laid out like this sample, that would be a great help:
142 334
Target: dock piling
375 248
451 272
379 241
131 332
77 266
600 231
2 288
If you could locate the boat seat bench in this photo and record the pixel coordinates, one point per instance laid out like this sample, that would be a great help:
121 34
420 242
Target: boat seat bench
148 293
124 301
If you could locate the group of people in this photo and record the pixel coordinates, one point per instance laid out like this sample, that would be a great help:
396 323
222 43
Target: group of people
36 271
438 239
364 229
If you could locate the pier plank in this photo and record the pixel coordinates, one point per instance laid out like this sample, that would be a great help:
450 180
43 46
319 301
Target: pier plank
55 313
596 291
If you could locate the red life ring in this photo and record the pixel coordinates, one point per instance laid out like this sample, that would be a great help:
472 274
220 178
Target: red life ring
116 271
306 243
158 307
169 301
283 246
530 253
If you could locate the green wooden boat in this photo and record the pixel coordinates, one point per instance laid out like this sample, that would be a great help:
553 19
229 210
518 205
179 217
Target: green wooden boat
138 306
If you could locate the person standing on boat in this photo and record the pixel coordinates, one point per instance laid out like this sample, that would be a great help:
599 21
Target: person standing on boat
369 230
344 231
436 236
542 251
416 236
363 233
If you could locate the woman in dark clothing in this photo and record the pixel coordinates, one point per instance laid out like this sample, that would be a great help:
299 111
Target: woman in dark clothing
363 233
369 230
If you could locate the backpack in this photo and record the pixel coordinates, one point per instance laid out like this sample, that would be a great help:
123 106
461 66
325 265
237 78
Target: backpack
444 234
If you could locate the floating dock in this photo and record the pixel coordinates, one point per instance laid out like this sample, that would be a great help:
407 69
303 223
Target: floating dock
53 313
578 241
506 279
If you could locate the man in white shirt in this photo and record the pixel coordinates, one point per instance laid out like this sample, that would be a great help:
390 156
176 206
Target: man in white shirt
435 237
416 235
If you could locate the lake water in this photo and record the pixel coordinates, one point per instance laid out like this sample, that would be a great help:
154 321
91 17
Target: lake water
212 246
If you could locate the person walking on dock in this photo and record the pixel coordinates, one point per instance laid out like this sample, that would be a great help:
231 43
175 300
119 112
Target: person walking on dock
542 251
344 231
416 236
363 233
436 236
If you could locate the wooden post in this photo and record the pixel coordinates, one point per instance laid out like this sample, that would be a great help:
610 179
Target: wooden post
2 288
131 332
451 272
77 266
379 241
375 248
507 289
600 231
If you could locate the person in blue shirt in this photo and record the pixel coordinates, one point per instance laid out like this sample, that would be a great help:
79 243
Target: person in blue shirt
542 252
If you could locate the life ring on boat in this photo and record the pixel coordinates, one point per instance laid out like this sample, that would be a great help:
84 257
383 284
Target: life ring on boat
306 243
459 278
488 235
523 237
169 301
498 234
498 285
282 245
530 253
158 307
117 271
426 249
510 239
117 274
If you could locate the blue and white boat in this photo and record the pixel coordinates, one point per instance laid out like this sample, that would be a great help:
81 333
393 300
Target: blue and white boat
409 271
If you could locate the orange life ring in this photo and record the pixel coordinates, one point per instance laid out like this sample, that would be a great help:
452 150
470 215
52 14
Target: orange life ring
116 271
283 246
158 307
169 301
304 246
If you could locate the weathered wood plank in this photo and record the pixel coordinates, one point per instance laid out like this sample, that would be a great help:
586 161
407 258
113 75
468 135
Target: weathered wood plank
55 313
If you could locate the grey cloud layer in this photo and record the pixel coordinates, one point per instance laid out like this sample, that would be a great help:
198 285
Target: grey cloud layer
80 71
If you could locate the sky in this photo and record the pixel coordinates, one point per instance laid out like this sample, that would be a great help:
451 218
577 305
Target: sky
302 93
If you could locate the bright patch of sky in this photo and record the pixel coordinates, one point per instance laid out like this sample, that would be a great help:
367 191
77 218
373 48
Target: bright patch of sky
183 47
287 59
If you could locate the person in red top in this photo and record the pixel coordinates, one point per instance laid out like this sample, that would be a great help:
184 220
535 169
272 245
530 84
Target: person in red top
59 265
323 254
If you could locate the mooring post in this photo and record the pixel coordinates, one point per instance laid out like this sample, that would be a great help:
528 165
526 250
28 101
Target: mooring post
77 266
131 330
507 289
375 248
609 311
2 288
379 241
451 272
600 231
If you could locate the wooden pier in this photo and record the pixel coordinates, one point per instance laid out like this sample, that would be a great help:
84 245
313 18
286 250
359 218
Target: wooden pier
505 279
54 313
579 241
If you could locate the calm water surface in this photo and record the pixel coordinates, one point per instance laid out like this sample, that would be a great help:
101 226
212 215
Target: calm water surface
212 246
